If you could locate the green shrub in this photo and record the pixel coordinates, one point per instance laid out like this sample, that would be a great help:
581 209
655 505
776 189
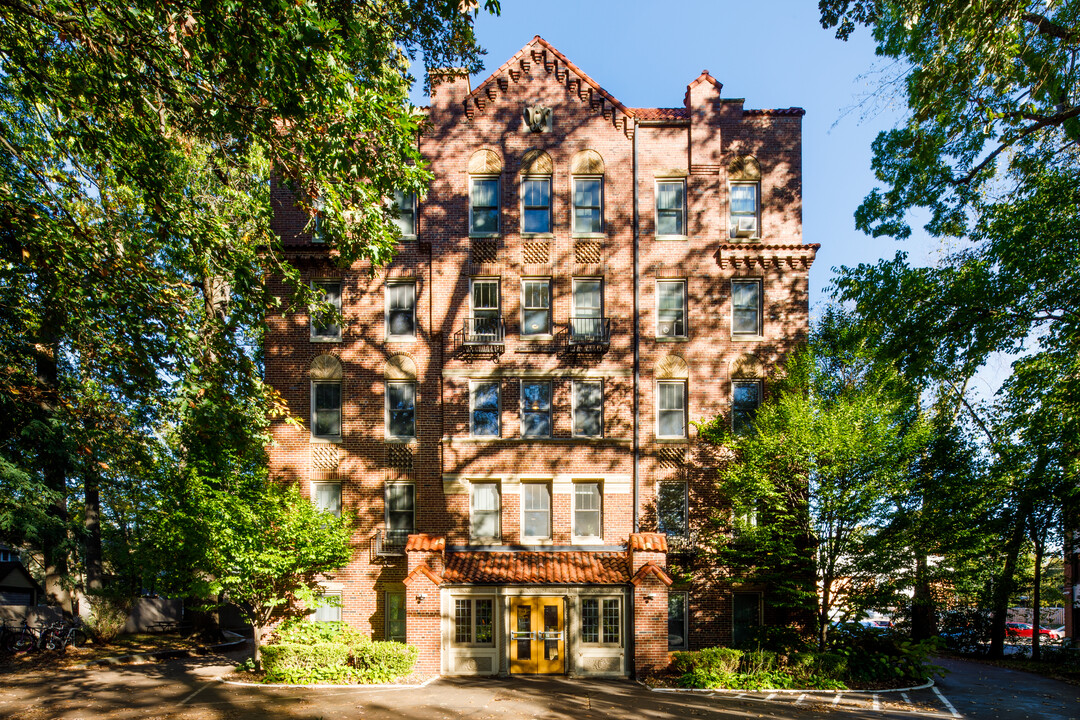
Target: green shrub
307 632
308 652
300 663
715 659
379 662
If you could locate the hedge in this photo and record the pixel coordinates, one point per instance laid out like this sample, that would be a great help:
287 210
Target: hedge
307 652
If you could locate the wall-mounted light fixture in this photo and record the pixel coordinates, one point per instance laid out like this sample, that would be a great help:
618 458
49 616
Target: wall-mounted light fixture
420 597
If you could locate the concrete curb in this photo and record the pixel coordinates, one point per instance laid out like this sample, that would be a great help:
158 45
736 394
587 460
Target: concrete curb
328 687
166 654
726 691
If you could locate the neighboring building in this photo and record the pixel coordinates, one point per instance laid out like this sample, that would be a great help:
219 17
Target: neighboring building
517 451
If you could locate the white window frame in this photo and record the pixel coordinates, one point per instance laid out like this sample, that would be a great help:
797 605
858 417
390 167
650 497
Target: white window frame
411 196
341 403
686 620
599 511
386 410
497 537
601 636
574 407
315 484
522 207
574 232
744 381
497 281
386 504
498 205
327 338
387 633
760 330
472 600
551 399
656 206
732 215
498 411
313 617
387 309
685 310
550 319
685 396
550 510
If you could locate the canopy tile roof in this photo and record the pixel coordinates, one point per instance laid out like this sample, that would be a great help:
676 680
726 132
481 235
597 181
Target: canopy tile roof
557 567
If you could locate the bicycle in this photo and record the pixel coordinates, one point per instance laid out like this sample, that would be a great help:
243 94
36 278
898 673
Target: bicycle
24 639
61 636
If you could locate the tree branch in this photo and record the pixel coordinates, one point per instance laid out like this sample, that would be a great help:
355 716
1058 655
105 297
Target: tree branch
1047 26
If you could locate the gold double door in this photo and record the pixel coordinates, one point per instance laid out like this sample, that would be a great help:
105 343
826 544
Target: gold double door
537 636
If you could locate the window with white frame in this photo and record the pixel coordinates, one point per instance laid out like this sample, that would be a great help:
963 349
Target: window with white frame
318 223
678 633
672 508
746 307
671 409
535 408
671 308
484 408
326 410
327 496
601 621
395 616
671 207
484 309
588 509
324 322
485 510
744 210
536 205
588 216
401 410
327 608
484 206
587 321
400 509
745 400
401 310
405 213
474 621
536 306
588 408
536 510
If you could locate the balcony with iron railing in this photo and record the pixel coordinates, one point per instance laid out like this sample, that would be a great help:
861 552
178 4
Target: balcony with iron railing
481 336
587 335
390 542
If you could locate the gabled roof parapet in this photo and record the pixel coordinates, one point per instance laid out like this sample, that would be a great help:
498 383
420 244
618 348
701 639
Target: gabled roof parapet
648 542
422 542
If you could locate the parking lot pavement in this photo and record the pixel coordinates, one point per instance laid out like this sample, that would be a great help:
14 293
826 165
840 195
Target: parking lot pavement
186 690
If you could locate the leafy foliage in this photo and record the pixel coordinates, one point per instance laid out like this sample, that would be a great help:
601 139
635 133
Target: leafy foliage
308 652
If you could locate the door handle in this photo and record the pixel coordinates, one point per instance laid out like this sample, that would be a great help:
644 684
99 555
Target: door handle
521 635
552 635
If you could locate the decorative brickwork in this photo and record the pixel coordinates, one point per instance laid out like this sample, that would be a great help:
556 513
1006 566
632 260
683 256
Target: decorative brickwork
484 251
587 251
537 252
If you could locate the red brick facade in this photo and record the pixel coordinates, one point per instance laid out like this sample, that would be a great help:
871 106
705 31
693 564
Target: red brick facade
703 147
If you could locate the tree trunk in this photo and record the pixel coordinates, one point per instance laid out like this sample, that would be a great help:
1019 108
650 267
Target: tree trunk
53 457
823 613
92 525
922 603
1036 597
256 641
1006 583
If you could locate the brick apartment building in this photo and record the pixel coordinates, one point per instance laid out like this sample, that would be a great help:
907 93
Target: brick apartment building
507 405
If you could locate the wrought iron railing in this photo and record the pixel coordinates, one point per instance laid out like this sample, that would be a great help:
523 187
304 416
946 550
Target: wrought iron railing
391 542
483 331
588 331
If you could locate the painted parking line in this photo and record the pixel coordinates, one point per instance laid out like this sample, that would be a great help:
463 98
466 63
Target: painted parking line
836 699
876 705
801 698
946 702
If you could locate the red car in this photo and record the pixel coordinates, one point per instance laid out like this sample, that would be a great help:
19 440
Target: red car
1024 630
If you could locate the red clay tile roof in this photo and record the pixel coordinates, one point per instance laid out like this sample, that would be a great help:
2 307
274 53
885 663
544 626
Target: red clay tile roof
649 569
573 567
777 111
649 542
423 570
425 543
660 113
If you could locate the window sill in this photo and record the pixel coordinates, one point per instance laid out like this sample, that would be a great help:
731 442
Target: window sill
671 441
588 236
325 441
747 338
484 236
529 540
391 440
751 240
536 338
586 540
681 339
400 338
485 542
538 236
408 238
324 340
675 238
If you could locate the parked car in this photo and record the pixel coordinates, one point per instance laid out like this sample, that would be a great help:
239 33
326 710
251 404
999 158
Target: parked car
1057 633
1025 630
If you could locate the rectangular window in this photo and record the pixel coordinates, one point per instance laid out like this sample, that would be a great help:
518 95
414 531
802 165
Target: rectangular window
536 307
326 410
395 616
588 205
484 410
474 621
745 399
671 508
405 213
401 410
600 621
401 310
587 321
324 325
746 307
485 509
678 631
484 206
536 205
536 510
588 408
671 409
671 207
744 210
328 608
484 311
327 496
588 502
671 308
400 509
535 409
